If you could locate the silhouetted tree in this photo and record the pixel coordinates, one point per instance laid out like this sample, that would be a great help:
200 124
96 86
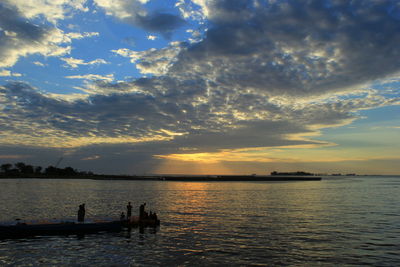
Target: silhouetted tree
50 170
38 170
69 171
6 167
28 169
13 171
24 168
20 166
21 169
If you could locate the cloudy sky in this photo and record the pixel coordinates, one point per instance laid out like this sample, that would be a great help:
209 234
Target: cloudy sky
201 86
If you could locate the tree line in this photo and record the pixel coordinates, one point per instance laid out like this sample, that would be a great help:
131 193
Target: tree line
22 169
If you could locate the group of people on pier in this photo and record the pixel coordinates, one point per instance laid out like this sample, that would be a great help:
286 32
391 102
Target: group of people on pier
143 214
128 213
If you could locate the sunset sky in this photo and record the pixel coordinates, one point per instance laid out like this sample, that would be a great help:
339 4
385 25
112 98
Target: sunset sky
201 86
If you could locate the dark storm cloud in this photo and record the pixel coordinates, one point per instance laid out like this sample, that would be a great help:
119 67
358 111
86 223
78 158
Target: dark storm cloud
10 20
159 22
26 111
20 37
209 124
134 13
15 32
248 134
297 47
110 116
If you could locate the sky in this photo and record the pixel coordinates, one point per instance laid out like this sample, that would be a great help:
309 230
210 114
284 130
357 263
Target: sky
201 86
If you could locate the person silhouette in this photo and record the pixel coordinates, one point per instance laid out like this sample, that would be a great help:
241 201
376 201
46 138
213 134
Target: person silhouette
129 210
141 211
81 213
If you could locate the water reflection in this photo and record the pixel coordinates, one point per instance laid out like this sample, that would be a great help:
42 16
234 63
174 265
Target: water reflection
334 222
188 201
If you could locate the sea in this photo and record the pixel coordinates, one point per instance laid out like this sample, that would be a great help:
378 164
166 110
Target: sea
339 221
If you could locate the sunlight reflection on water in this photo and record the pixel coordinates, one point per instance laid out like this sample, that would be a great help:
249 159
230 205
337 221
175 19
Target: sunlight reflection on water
335 221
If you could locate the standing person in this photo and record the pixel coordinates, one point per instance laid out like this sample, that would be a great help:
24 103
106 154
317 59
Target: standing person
128 210
81 213
141 211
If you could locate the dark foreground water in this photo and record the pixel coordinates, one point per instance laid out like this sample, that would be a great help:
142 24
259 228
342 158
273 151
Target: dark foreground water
341 221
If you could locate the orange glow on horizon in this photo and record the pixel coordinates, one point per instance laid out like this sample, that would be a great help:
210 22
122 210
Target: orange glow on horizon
170 166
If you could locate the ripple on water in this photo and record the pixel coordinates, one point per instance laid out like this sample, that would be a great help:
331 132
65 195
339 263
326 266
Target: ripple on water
332 222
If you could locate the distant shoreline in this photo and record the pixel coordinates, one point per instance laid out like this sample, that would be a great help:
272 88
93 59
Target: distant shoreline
188 178
20 170
174 178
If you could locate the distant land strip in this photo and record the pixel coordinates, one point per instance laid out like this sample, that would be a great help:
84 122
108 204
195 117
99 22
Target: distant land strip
208 178
22 170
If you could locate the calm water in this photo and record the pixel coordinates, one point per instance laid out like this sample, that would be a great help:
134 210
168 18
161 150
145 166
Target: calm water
341 221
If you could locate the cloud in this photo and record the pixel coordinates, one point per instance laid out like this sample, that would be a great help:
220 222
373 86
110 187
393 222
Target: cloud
152 115
8 157
75 62
5 73
38 63
270 64
151 37
78 35
50 10
108 77
133 12
277 48
153 61
195 9
95 157
26 38
36 116
20 38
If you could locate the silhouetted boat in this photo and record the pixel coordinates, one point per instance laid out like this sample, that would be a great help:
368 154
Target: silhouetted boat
23 230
